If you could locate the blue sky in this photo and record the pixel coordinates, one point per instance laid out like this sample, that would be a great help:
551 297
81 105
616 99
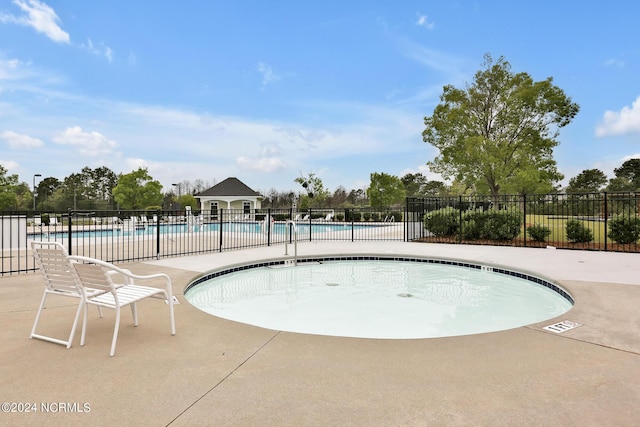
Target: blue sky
267 91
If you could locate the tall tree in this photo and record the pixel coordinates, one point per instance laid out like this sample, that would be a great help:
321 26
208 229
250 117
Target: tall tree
499 131
627 177
385 190
587 181
316 192
137 190
413 184
8 184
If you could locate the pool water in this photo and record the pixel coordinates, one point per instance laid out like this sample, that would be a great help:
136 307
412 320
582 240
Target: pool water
377 299
278 228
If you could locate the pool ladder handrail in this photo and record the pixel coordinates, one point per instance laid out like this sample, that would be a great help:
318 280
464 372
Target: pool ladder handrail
295 240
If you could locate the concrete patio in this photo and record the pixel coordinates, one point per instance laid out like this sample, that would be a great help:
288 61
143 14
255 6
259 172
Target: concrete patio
216 372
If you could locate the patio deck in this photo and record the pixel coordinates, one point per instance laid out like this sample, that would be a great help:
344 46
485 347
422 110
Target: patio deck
218 372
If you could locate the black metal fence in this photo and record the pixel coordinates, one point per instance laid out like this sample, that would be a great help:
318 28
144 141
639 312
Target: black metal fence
594 221
121 236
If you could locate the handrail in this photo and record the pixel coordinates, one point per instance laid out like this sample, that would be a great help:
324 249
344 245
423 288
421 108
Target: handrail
295 240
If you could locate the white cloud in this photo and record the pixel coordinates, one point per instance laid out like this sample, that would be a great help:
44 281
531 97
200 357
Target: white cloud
614 63
261 164
18 141
9 165
132 58
449 65
100 50
11 69
423 21
268 76
623 122
88 143
268 161
40 17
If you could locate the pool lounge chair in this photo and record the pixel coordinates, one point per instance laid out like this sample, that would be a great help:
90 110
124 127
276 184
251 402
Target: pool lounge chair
60 280
98 274
90 281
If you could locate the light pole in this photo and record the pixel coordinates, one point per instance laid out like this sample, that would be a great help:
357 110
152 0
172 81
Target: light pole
178 187
34 190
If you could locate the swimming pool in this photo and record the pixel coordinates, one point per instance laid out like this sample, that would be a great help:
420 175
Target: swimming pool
278 228
378 297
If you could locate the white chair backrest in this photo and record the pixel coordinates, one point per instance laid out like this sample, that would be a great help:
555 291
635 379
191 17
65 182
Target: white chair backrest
59 275
93 276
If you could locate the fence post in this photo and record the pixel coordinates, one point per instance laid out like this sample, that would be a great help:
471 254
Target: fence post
220 215
460 219
606 219
268 221
524 213
69 211
157 234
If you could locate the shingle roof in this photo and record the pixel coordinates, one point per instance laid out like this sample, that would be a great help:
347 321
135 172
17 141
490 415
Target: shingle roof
229 187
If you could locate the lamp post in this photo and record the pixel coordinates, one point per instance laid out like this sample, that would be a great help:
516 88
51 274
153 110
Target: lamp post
34 190
178 188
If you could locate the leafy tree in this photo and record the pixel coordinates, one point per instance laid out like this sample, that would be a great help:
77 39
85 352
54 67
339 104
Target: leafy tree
413 184
627 177
188 200
8 184
385 190
316 195
434 189
499 131
137 190
417 185
24 196
356 195
45 190
587 181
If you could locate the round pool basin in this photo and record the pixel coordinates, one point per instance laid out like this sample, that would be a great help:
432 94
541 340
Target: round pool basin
378 297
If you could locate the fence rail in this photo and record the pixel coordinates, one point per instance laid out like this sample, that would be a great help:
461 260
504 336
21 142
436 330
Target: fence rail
594 221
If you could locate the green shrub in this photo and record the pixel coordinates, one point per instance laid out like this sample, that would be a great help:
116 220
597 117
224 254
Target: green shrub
470 229
375 216
339 217
443 222
44 218
577 232
491 224
538 233
624 229
397 216
366 216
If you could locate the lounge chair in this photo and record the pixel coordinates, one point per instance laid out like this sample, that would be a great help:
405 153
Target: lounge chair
97 274
60 279
90 281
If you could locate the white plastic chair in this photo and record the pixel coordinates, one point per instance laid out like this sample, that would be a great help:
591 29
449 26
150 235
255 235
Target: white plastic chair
60 279
97 274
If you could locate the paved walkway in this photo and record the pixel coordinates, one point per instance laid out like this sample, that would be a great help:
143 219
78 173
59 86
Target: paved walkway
218 372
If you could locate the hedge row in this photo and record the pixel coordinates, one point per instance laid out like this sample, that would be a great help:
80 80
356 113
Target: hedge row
476 224
481 224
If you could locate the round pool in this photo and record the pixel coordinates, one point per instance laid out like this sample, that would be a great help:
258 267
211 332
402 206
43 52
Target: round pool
378 297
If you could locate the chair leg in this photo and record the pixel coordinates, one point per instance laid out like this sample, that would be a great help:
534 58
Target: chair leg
51 339
84 323
35 323
115 332
75 322
134 313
